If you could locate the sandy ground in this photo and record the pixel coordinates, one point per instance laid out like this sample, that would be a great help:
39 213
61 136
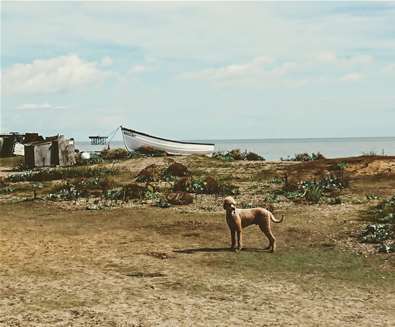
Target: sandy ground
163 267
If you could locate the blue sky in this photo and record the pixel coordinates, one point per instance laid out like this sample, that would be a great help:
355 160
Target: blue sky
199 70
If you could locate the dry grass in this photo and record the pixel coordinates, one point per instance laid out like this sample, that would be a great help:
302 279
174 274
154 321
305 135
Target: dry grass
126 267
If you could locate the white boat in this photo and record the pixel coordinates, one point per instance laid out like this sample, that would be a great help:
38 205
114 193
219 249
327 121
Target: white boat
134 140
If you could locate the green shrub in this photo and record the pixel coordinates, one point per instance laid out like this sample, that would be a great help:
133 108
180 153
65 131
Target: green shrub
304 156
376 233
236 154
252 156
224 156
384 230
310 190
313 193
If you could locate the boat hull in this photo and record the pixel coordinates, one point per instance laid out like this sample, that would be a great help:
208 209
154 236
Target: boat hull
134 140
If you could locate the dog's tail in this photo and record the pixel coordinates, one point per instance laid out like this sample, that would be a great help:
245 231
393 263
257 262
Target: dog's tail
275 220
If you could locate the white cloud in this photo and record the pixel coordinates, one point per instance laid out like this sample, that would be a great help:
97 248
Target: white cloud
232 71
344 61
136 69
106 61
259 71
149 66
352 77
390 68
43 106
327 57
51 75
285 68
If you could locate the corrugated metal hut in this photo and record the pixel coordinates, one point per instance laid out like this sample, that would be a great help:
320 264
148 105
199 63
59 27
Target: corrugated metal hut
54 151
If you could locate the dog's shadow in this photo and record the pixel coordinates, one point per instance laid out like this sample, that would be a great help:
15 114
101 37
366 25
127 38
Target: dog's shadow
214 250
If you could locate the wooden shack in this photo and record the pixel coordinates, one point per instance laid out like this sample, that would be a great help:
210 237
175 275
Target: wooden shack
7 143
13 143
53 151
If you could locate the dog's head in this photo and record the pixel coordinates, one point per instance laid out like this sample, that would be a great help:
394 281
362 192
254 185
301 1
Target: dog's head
229 204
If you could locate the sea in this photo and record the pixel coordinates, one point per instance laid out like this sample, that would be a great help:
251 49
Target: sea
276 149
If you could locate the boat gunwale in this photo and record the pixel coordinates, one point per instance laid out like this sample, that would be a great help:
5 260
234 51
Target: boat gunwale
163 139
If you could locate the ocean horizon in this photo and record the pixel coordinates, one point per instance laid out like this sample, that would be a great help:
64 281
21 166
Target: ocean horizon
277 148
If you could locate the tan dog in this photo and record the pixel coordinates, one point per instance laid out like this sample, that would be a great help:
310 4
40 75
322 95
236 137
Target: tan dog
238 219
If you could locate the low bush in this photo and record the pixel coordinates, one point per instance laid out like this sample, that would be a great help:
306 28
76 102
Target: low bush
236 154
304 156
311 190
376 233
147 151
383 231
224 156
114 154
252 156
313 193
176 169
151 173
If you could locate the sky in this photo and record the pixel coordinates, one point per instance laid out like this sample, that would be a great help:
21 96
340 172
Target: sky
199 70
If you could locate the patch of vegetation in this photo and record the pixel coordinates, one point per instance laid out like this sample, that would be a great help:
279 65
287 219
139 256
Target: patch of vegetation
205 185
331 264
147 151
151 173
236 154
305 157
175 170
6 189
377 233
49 174
114 154
72 190
311 190
66 191
381 232
272 198
372 197
277 180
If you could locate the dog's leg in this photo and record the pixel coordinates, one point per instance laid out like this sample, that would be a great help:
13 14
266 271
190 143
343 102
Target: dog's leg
233 238
272 240
239 238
